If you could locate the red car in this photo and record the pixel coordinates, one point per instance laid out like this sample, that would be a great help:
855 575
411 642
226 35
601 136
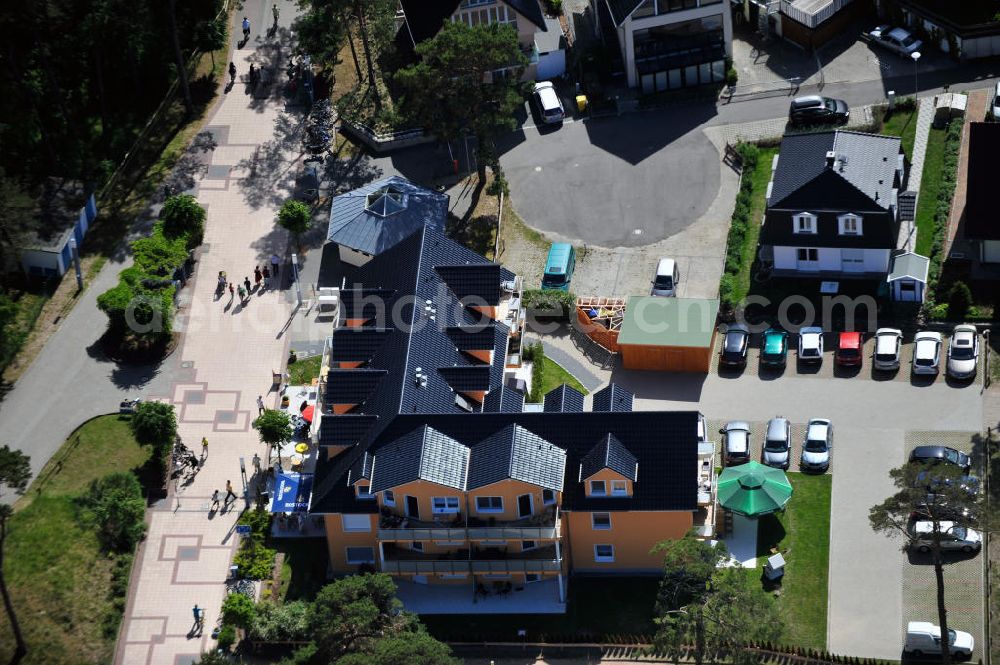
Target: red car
849 349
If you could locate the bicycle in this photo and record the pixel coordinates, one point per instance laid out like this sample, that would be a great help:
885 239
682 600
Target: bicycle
243 587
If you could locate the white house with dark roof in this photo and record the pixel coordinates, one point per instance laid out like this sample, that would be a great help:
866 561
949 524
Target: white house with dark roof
832 205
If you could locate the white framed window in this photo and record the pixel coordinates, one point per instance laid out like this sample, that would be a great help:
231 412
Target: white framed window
417 546
619 488
356 555
441 505
489 504
356 522
528 545
804 222
604 553
364 492
600 521
548 497
532 577
598 488
849 225
388 498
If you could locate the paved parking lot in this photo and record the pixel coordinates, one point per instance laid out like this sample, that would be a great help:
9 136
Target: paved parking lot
757 430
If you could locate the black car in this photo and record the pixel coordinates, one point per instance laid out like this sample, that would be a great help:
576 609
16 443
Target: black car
816 110
935 454
735 345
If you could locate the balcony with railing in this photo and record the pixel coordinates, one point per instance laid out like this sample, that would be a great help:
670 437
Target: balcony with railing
480 561
704 517
543 526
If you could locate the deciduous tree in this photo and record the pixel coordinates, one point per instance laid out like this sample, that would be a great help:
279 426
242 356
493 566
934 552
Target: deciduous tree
274 428
15 472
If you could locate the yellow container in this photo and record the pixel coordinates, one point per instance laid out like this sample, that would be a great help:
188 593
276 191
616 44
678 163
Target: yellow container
581 103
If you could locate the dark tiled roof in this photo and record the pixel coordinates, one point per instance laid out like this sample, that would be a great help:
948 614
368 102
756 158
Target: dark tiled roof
369 304
803 180
622 9
664 442
467 378
351 386
423 454
982 221
345 430
473 281
529 9
514 452
504 399
377 216
362 468
472 338
609 454
613 398
356 344
563 399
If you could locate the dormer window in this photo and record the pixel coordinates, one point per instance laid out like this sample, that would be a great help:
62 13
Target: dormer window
388 498
598 488
619 488
364 491
849 225
804 222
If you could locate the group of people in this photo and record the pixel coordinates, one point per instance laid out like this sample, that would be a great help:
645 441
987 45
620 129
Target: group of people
262 279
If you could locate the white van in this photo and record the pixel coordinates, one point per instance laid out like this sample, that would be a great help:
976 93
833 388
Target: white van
996 101
665 278
923 637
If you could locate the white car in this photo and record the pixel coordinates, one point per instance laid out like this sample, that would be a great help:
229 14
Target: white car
811 345
549 106
953 537
924 637
665 278
926 352
887 344
996 101
963 352
895 39
818 445
736 449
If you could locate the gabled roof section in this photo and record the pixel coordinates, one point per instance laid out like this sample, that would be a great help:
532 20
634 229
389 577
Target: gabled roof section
564 399
425 17
351 386
376 217
504 399
356 344
529 9
982 221
622 9
423 454
612 398
361 470
909 265
345 430
473 281
861 178
516 453
609 453
367 304
472 338
467 378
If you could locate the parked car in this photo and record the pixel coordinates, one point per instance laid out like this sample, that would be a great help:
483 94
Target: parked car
736 446
735 345
665 278
778 443
811 345
923 637
817 446
936 454
936 482
559 267
849 349
895 39
996 101
774 348
953 537
549 106
702 429
963 352
816 110
926 352
888 342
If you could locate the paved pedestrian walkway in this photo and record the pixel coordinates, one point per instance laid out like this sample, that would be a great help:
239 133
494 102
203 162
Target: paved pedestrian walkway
230 350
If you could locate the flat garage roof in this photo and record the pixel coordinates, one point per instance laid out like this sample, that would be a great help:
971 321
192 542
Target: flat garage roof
655 321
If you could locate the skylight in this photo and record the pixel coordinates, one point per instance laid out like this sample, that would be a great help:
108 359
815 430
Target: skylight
386 201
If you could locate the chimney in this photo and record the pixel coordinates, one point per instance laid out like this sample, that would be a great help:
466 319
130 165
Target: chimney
831 157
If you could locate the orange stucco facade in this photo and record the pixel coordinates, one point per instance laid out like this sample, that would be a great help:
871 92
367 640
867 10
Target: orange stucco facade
632 534
338 540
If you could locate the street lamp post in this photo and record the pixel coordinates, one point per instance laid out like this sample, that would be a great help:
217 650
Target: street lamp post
916 57
295 278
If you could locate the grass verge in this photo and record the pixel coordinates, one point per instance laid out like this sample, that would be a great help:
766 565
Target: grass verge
69 594
598 608
303 371
553 376
802 535
930 188
902 123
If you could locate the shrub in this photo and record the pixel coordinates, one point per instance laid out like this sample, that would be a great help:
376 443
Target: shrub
183 217
259 522
553 7
116 504
549 303
238 610
282 623
295 217
274 427
227 637
732 76
959 301
255 560
154 423
301 656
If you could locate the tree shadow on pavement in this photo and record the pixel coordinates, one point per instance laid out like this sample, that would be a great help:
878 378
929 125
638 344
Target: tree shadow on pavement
268 178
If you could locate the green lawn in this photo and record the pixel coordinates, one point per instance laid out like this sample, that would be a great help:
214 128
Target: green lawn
302 372
930 185
802 534
904 125
598 608
553 376
59 579
759 177
303 570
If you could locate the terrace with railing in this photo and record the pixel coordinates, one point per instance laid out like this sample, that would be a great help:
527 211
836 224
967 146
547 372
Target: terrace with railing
479 560
543 526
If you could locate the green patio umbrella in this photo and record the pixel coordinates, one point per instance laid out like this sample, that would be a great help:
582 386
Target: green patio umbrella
753 489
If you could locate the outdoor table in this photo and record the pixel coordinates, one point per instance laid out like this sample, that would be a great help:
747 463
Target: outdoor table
302 448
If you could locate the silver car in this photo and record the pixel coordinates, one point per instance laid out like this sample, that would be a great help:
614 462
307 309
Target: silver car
736 449
811 345
895 39
817 446
963 352
778 443
926 352
953 537
887 344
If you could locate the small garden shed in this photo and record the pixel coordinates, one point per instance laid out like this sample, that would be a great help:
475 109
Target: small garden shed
668 334
908 277
66 209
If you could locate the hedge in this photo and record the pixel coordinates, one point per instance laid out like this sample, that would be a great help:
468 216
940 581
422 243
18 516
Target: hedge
738 227
942 212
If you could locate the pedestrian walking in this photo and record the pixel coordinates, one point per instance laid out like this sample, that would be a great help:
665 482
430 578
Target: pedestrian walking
215 499
232 72
246 29
229 492
232 291
204 447
275 265
274 11
257 275
256 462
260 405
246 283
267 277
252 75
199 618
243 294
